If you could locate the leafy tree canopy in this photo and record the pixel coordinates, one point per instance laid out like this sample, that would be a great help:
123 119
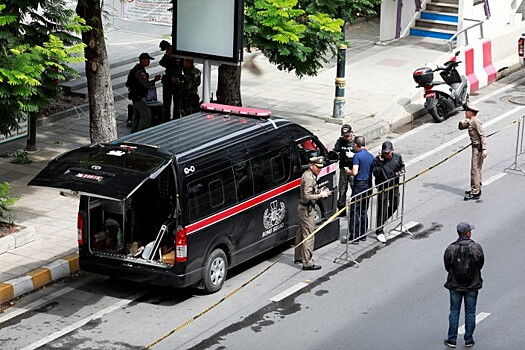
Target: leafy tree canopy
37 41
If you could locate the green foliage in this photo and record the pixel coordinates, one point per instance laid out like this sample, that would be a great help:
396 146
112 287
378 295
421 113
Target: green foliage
290 36
38 39
6 202
300 35
21 158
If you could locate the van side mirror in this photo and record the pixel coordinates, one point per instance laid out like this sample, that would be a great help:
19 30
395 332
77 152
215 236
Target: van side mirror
333 157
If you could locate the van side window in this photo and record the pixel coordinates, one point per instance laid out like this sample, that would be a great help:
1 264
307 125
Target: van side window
306 149
211 194
271 169
243 181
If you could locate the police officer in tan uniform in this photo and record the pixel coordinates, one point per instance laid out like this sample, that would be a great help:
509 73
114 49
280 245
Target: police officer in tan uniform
479 149
305 216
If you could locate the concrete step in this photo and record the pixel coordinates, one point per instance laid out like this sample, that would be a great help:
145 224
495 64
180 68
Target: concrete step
454 2
441 25
118 69
432 33
439 16
119 82
442 7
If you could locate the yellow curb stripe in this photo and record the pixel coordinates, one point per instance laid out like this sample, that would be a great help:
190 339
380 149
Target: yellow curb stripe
7 292
40 276
73 262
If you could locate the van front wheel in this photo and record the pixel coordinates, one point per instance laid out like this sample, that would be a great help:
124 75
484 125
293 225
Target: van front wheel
215 271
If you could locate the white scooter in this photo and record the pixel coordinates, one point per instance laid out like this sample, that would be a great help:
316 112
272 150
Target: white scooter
442 97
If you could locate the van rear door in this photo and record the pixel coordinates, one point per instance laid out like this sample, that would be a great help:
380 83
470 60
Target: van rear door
113 171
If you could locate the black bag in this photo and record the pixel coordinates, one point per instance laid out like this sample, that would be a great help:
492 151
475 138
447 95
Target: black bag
464 264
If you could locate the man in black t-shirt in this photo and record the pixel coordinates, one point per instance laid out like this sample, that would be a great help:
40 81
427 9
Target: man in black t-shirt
344 146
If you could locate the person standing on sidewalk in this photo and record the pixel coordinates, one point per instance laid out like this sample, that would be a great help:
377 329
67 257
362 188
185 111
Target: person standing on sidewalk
362 172
344 146
306 214
138 84
463 282
189 82
387 168
479 149
170 90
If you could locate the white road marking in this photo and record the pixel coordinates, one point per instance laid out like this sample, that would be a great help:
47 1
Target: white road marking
289 291
79 324
479 317
460 138
15 311
493 178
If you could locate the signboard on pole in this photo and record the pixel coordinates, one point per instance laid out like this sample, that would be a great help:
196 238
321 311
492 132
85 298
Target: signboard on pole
209 29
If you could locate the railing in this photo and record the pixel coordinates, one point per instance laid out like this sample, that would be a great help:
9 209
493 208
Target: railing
465 31
372 210
519 147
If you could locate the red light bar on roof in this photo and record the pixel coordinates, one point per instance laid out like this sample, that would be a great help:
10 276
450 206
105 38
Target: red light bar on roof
262 113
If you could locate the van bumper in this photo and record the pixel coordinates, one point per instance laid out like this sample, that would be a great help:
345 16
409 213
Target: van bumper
144 274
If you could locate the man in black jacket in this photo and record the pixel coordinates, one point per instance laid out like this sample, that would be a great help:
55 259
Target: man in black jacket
344 146
463 289
138 84
387 168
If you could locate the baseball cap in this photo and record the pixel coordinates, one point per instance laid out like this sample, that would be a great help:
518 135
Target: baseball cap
145 55
464 227
346 129
470 107
317 161
387 147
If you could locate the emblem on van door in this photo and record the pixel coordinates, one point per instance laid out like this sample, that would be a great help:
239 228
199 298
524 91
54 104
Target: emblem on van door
96 167
273 217
189 170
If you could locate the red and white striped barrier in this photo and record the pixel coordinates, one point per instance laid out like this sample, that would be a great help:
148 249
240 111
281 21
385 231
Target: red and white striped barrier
477 64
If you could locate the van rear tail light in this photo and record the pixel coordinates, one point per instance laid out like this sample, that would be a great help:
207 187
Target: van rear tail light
80 229
181 246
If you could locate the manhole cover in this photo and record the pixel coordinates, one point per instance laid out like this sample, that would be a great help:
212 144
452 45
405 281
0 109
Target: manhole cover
519 100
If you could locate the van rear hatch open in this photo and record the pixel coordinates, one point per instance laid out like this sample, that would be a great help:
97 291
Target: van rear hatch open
113 171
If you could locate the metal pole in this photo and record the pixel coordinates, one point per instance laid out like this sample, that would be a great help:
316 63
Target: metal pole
31 141
340 82
206 81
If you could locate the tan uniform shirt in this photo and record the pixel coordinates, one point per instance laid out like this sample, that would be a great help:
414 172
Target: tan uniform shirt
309 191
475 131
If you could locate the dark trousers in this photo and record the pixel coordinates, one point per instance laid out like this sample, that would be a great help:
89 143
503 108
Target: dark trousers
387 204
358 221
170 95
345 181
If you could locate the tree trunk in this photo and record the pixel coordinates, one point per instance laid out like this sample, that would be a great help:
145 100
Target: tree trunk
102 121
229 85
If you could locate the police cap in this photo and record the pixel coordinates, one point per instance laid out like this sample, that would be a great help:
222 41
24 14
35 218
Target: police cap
317 161
470 107
346 130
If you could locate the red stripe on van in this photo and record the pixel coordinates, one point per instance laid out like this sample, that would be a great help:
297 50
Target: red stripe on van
251 203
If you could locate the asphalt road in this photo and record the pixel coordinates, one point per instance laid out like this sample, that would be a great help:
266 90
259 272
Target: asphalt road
394 300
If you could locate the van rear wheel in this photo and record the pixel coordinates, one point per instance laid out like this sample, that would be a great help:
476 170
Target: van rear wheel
215 271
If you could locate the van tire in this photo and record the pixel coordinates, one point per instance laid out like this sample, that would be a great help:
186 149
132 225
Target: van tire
215 271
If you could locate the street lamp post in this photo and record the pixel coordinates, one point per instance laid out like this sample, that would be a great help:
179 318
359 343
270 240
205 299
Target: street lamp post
340 82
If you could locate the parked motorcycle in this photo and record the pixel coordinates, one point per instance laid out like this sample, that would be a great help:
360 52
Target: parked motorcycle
442 97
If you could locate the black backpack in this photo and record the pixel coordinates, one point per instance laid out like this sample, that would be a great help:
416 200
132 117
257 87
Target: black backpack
464 266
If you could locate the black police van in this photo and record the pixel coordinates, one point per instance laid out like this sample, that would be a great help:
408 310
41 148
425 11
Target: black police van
180 203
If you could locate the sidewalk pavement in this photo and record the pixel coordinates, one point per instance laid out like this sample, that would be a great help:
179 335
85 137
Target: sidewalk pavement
380 96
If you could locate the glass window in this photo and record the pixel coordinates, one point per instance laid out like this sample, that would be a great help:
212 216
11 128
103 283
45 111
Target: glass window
210 194
271 169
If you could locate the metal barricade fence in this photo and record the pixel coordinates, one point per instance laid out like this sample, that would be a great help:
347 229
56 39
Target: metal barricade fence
370 210
519 147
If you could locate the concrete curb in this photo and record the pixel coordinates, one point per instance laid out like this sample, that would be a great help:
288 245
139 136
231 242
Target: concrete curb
17 239
38 278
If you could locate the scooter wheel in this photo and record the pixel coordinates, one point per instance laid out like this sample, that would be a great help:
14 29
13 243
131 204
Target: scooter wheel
438 114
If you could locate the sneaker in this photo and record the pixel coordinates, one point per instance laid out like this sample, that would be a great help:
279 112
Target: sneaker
381 238
469 344
468 192
449 343
471 196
